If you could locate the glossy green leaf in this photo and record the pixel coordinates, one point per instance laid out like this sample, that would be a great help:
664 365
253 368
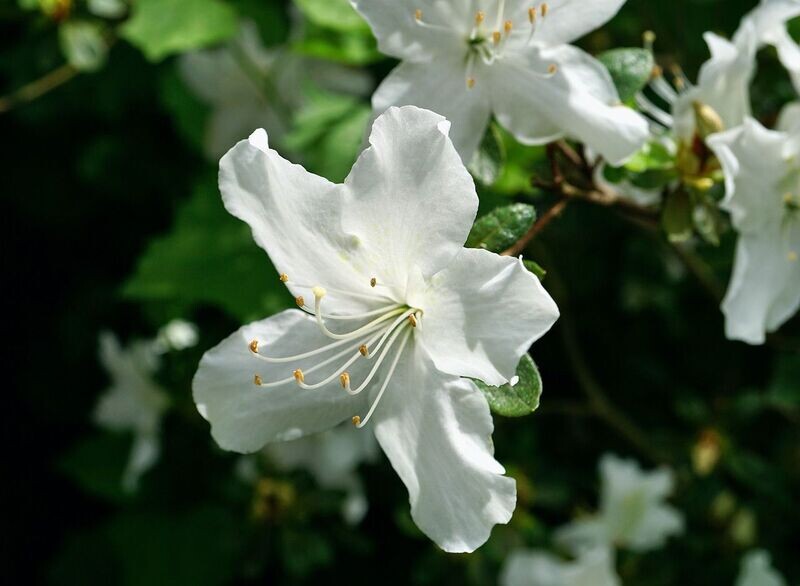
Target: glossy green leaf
337 15
165 27
519 399
502 227
487 164
630 68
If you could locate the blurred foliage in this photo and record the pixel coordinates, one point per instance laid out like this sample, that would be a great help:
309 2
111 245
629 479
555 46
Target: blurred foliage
113 220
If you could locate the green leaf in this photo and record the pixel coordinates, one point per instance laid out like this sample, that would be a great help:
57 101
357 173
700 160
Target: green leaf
784 392
676 217
502 227
630 68
98 463
653 155
209 257
517 400
107 8
337 15
165 27
487 164
535 268
83 44
353 48
328 131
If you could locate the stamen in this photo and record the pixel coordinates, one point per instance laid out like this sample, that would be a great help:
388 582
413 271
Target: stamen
375 368
648 39
298 375
507 26
552 69
300 301
373 281
470 83
418 15
257 380
650 108
284 277
412 320
344 378
545 8
364 350
309 354
496 37
356 419
253 345
337 373
354 333
479 17
532 15
662 88
369 296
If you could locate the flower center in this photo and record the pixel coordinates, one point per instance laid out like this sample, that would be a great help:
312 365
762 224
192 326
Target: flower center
488 44
386 332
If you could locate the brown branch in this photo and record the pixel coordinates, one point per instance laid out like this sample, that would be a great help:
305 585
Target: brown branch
38 88
540 224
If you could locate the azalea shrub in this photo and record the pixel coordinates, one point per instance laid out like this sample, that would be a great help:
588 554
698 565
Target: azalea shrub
302 272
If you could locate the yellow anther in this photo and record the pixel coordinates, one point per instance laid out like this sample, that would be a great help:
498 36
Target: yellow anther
507 26
284 277
657 71
364 350
373 281
792 256
470 83
298 376
253 345
544 9
532 14
649 37
300 301
319 292
356 420
496 37
257 380
344 378
480 16
412 320
552 69
418 15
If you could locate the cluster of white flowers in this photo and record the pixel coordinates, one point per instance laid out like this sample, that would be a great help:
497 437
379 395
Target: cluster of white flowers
633 515
134 402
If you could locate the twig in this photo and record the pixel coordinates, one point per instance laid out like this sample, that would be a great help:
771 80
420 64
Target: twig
540 224
38 88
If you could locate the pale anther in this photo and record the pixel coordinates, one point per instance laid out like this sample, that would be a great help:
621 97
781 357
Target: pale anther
552 69
373 281
257 380
418 15
298 376
284 277
344 378
412 320
479 17
253 345
532 14
496 37
300 301
544 9
507 26
470 82
363 350
356 420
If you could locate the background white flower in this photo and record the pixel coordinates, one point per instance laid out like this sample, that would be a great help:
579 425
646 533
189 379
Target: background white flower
762 181
756 570
133 403
633 513
539 568
382 258
510 58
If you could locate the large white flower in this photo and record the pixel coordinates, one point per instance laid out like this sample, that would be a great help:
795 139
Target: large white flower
539 568
332 458
632 515
762 180
756 570
394 310
249 86
133 403
468 60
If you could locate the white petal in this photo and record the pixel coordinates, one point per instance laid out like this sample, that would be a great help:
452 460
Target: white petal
436 430
766 17
566 20
723 84
144 454
789 120
659 523
788 53
532 568
578 101
482 313
295 216
400 35
764 290
440 86
752 158
412 200
757 570
244 416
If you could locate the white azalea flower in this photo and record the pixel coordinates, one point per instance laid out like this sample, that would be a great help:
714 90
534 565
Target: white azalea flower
757 570
511 58
332 458
249 86
393 308
632 515
769 20
539 568
133 403
762 181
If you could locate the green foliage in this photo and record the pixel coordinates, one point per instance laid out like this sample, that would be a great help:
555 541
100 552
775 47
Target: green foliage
97 464
502 227
519 399
336 15
231 273
165 27
83 44
329 131
630 68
